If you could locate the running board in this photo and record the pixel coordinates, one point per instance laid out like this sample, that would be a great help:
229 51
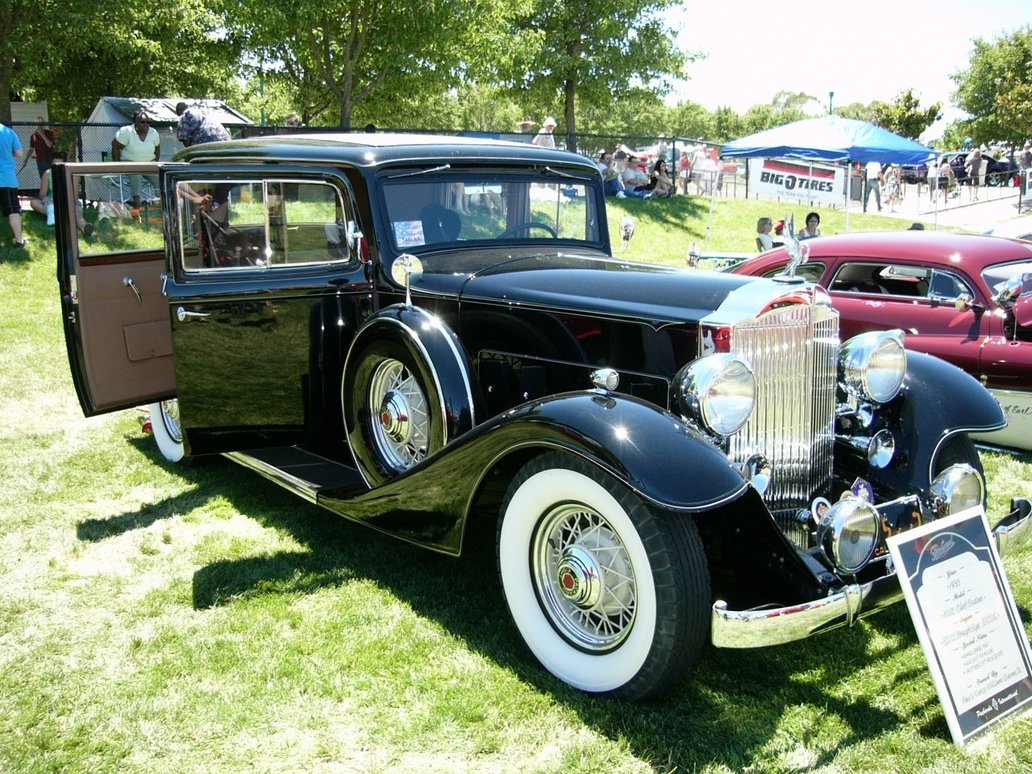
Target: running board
299 471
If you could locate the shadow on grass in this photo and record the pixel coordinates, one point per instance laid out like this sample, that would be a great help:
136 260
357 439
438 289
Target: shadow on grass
93 530
673 212
726 713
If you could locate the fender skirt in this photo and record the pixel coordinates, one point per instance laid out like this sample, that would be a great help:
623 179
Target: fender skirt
647 448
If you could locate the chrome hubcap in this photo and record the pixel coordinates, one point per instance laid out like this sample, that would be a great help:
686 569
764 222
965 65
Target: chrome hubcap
579 578
394 417
401 427
583 577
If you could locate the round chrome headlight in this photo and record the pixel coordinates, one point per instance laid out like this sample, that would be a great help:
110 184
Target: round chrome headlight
848 534
958 488
872 365
718 392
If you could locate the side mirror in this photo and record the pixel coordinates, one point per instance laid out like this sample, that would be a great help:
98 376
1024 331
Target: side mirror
964 302
405 270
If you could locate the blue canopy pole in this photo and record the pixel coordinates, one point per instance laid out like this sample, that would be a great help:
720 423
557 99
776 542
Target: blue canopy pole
849 189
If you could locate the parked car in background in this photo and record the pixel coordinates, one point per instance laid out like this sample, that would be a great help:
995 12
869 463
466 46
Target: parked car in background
998 171
963 297
420 334
914 173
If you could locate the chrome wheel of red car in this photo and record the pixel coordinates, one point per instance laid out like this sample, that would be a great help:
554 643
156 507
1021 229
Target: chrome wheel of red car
609 596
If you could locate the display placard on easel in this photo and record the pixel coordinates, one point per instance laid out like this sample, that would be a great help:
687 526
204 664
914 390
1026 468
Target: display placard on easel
966 620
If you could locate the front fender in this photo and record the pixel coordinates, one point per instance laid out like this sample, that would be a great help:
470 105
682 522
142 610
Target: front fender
650 450
938 401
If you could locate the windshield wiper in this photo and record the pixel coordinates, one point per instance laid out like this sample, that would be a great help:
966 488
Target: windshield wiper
419 172
561 174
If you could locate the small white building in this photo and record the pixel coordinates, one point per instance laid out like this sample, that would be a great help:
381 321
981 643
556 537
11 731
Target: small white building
111 113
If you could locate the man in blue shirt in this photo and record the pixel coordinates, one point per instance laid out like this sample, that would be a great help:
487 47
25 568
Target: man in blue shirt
195 127
10 149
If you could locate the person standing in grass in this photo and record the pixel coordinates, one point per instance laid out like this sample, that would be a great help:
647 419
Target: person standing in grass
41 147
10 149
138 141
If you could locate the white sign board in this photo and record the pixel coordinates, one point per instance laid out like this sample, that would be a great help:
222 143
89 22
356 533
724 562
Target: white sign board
966 620
802 180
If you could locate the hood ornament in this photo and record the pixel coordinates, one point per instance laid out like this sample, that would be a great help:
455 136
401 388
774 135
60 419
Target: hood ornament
799 253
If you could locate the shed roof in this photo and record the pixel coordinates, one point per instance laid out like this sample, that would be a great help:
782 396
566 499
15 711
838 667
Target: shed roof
162 110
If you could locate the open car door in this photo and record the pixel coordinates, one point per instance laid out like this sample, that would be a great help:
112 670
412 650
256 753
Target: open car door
110 270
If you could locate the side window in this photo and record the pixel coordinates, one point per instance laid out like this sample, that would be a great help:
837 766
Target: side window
882 279
947 287
261 224
109 220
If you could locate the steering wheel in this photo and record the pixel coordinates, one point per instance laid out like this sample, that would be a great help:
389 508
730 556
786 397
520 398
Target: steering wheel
526 227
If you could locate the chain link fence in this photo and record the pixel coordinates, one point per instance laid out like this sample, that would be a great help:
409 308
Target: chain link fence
91 142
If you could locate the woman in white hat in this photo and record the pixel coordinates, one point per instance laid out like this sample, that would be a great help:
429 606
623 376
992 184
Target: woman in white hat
544 136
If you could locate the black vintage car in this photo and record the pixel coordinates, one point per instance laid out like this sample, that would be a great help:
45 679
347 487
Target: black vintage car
416 333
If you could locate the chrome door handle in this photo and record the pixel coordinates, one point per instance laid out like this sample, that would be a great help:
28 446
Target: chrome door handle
184 315
127 280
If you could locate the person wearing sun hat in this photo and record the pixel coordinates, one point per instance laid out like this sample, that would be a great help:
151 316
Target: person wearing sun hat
544 138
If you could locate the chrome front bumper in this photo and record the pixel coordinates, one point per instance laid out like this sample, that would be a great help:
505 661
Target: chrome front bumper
760 627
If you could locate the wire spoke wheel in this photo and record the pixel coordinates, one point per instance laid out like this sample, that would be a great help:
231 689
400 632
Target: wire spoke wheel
583 577
401 425
169 416
610 595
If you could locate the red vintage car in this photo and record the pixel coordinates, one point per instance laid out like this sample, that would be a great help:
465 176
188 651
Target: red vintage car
963 297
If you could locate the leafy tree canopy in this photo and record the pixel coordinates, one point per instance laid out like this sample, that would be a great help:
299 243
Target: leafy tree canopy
591 52
994 89
362 60
72 52
904 115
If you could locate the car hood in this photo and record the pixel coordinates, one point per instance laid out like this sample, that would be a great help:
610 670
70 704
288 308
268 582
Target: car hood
578 282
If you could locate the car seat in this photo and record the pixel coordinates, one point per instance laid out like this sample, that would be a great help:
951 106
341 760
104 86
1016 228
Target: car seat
439 223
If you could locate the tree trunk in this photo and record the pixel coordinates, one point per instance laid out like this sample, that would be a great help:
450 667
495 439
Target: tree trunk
569 114
8 32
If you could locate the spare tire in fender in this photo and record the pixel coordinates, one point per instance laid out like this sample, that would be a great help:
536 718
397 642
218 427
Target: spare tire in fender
406 391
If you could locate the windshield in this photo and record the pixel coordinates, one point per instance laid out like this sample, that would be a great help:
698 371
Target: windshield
451 209
995 276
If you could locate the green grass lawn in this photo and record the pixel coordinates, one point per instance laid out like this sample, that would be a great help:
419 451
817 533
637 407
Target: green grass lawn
165 619
666 228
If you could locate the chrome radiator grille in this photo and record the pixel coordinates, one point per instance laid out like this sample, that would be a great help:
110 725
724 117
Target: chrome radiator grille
793 351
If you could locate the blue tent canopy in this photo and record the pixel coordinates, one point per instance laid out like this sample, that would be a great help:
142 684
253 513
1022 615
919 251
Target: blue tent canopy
830 138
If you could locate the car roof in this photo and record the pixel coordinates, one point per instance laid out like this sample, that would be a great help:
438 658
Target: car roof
973 252
375 148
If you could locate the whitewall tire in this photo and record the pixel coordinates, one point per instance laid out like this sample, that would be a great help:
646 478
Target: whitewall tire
168 433
608 596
